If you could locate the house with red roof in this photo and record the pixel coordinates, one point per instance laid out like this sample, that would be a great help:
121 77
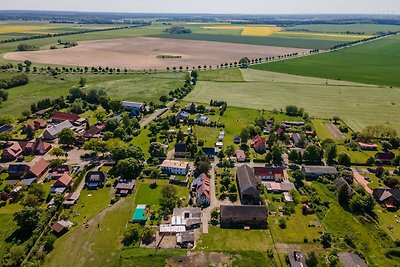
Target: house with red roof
365 146
240 155
12 152
36 124
94 131
269 173
39 168
63 184
59 117
201 187
35 147
58 171
259 144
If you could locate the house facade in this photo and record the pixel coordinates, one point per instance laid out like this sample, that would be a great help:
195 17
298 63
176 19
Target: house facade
175 167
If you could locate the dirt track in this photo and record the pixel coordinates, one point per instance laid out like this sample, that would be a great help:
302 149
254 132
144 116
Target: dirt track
144 53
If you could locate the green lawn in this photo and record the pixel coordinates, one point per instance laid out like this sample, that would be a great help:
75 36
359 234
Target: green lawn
223 75
133 87
297 228
148 196
368 237
389 222
377 62
97 245
208 134
90 203
219 239
138 257
7 225
358 105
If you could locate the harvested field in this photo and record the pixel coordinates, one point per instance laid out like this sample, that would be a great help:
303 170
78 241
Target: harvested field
334 131
144 53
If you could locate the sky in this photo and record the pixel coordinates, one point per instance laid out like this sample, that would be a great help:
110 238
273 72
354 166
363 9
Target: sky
212 6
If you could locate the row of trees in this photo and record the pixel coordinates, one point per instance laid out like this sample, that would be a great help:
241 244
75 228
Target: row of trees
14 81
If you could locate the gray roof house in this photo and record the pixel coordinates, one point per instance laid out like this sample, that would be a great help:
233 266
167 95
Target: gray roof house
316 171
129 106
52 132
247 183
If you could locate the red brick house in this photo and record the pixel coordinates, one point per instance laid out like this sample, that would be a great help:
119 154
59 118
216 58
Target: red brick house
259 144
39 168
36 124
12 152
269 173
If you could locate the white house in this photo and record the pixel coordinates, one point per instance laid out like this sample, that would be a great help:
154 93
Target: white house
201 119
175 167
52 132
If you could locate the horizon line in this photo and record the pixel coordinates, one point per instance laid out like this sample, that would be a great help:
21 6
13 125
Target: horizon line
198 13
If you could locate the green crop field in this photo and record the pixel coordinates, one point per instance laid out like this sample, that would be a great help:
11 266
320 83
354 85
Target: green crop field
134 87
340 28
269 41
376 62
358 105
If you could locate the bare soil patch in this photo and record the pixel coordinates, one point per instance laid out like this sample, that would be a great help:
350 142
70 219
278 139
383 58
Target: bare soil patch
144 53
334 131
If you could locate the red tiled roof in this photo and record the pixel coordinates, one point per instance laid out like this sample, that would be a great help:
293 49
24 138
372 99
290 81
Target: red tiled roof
39 167
14 150
258 141
240 154
64 180
204 186
64 116
277 172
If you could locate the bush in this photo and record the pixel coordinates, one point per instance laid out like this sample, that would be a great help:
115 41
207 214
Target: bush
282 223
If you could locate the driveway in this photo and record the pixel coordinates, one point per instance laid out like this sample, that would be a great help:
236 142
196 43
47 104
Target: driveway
156 113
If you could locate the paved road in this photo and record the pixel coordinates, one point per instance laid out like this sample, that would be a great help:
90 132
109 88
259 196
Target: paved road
214 201
157 113
361 180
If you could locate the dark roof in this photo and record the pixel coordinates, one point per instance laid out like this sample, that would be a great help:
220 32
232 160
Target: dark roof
381 194
95 176
245 212
180 147
340 182
209 151
246 178
125 186
18 168
385 156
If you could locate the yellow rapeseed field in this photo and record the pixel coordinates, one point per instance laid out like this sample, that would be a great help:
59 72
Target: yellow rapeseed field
258 30
5 29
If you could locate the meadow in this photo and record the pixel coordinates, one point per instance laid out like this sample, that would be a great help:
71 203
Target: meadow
321 98
97 245
369 237
133 87
376 62
368 29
